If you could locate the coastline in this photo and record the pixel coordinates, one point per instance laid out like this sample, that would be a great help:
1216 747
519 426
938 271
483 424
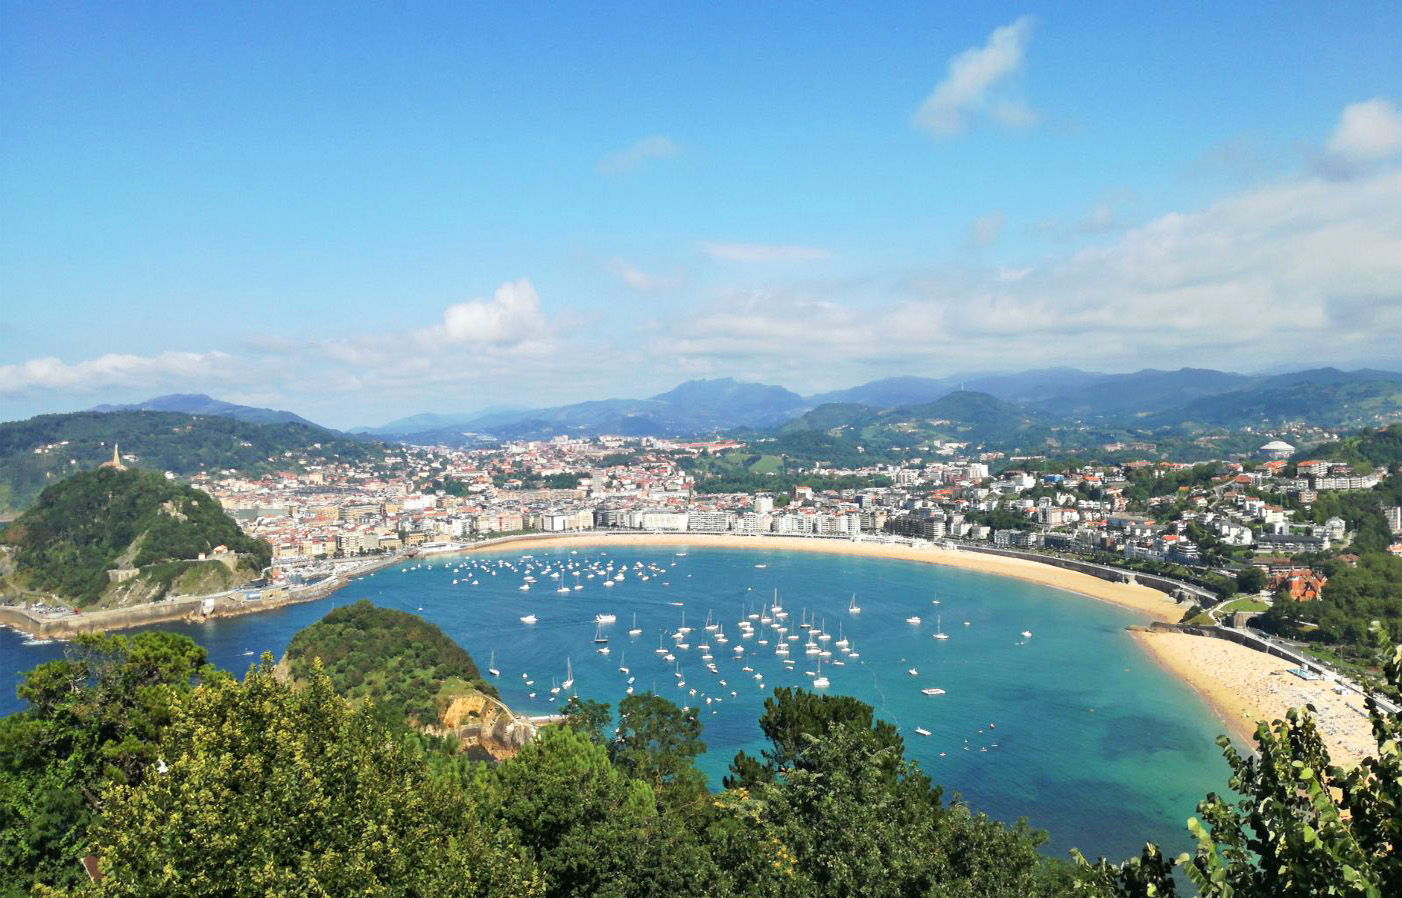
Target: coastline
188 609
1239 684
1244 686
1134 597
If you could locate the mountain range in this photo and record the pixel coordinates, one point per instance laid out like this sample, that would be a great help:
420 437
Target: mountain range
1148 398
1187 399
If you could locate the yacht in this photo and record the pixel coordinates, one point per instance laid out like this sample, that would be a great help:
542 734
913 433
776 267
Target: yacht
922 731
852 606
635 630
913 619
605 618
528 619
569 676
932 690
939 633
1026 634
492 665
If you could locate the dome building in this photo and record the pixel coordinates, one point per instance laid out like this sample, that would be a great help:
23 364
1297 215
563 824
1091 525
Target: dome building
1276 450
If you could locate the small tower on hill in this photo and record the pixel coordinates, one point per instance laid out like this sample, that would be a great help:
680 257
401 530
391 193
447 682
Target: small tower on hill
116 462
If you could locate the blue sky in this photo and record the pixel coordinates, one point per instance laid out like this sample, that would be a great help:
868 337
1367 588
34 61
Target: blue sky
358 211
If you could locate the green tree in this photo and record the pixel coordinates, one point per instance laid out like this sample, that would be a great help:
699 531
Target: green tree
1251 580
657 742
589 717
592 830
94 719
792 717
263 789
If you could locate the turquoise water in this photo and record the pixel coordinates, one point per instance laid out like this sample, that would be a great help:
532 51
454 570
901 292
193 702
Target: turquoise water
1091 739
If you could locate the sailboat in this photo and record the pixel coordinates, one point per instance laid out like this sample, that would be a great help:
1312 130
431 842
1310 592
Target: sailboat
569 676
939 634
492 665
623 663
599 637
820 681
635 630
852 606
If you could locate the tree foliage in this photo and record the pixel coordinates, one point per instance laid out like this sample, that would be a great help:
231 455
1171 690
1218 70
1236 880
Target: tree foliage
94 720
267 790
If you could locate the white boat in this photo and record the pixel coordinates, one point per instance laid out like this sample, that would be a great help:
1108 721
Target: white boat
1026 634
820 681
605 618
761 566
913 619
492 665
852 606
603 651
599 637
569 676
922 731
913 672
932 690
528 619
939 633
635 630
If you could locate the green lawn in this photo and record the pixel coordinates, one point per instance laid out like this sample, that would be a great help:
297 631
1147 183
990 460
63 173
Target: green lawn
1243 604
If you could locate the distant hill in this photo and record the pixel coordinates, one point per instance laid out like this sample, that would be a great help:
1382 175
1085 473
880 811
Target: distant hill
1023 386
834 429
95 521
1333 403
44 450
698 406
428 421
200 404
407 666
1142 392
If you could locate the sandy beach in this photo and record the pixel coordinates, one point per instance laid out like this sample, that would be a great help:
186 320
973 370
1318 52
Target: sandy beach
1136 597
1244 686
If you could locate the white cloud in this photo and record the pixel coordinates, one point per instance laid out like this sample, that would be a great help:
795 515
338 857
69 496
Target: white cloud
637 278
762 252
983 232
114 371
652 147
974 81
511 316
1367 132
1304 271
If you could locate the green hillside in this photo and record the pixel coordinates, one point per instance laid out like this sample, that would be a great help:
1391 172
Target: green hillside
1381 446
834 431
40 451
1341 404
407 666
98 520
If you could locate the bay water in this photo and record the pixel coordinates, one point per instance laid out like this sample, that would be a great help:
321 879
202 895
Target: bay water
1074 728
